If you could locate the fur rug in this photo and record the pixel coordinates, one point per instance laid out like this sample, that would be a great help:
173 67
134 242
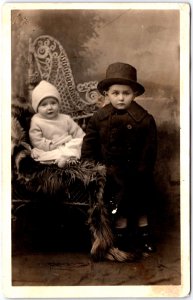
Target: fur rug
35 181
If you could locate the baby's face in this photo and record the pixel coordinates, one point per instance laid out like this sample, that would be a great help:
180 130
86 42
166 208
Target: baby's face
48 108
120 95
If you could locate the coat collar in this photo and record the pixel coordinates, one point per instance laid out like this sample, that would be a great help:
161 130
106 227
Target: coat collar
136 111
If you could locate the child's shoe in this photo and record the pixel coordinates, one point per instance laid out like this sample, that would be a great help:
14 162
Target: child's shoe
146 242
61 162
72 161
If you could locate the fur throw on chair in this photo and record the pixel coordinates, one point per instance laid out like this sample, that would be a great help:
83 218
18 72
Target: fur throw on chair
35 181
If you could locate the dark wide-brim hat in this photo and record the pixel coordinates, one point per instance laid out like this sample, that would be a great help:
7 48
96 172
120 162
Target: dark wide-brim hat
121 73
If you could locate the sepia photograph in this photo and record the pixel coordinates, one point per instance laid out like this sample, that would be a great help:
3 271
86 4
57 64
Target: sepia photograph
95 150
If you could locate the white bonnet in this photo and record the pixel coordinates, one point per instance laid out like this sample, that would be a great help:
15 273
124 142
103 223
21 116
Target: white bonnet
43 90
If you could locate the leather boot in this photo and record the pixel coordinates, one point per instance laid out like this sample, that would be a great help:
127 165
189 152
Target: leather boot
146 242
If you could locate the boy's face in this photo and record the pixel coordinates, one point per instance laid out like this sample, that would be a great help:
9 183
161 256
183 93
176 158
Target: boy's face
48 108
120 95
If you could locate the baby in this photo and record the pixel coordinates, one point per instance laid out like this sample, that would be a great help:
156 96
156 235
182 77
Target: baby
56 137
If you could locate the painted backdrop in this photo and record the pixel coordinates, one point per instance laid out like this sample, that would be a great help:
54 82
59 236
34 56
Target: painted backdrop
147 39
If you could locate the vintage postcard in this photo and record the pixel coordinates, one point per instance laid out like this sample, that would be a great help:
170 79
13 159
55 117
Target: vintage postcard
95 150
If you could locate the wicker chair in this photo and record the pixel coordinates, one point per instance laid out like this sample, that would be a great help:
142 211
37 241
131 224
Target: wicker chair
79 185
48 60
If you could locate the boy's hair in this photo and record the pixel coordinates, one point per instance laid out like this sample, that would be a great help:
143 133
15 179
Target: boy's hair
44 90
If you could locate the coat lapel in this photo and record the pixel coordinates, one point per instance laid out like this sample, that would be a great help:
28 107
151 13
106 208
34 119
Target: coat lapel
137 112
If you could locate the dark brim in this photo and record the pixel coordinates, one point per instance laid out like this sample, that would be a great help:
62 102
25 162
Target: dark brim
103 85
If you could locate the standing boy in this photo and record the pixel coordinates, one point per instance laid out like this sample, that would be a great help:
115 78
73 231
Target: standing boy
122 135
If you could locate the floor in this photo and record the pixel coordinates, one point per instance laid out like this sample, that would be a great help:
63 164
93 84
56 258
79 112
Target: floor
45 261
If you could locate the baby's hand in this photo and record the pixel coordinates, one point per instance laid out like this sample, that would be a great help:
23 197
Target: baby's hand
35 153
59 141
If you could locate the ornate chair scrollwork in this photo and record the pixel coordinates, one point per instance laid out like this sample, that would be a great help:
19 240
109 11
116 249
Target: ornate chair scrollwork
49 61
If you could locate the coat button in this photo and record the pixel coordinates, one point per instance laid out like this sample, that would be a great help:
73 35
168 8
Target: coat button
129 126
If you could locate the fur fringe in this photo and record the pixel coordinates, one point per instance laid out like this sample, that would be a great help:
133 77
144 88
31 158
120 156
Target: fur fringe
114 254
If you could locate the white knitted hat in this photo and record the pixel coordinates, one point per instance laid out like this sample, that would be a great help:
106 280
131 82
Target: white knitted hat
43 90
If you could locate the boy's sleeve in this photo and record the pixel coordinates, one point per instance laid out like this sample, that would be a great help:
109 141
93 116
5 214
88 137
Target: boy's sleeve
36 137
91 144
149 148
